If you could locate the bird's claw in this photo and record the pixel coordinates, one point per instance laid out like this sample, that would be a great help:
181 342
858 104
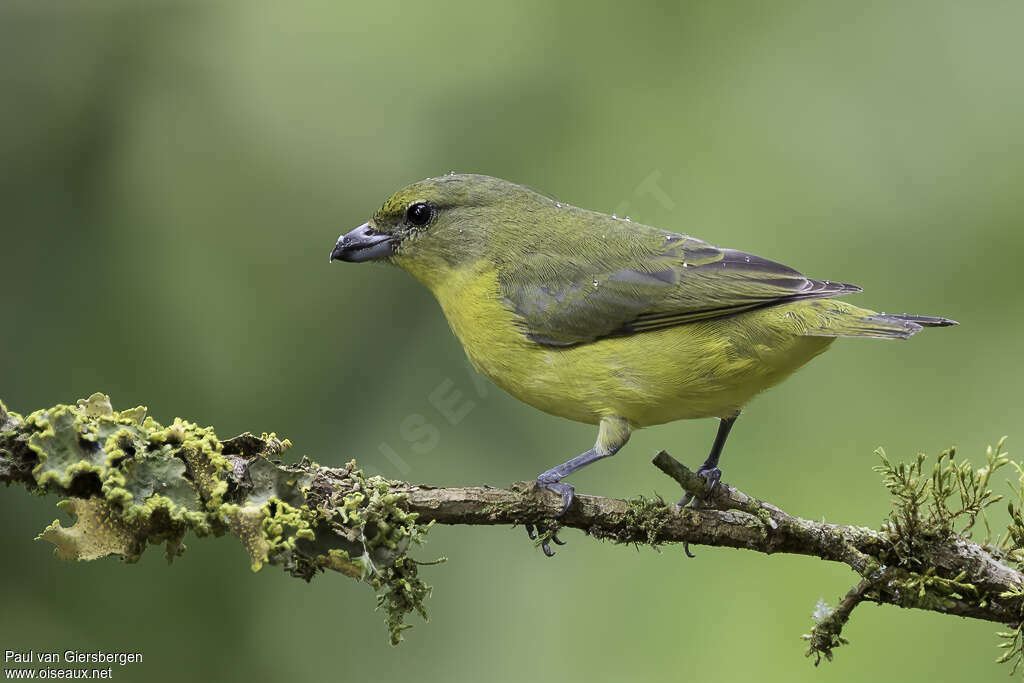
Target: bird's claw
541 530
711 476
545 544
566 491
549 535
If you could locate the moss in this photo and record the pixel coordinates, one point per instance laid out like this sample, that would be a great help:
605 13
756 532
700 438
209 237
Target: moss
930 503
399 592
1013 640
498 510
935 506
1013 644
929 591
645 518
642 522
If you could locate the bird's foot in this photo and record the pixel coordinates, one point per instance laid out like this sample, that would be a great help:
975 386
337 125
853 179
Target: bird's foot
544 537
566 491
541 533
711 476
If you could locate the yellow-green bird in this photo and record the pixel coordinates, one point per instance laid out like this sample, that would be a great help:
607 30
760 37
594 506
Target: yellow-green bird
603 320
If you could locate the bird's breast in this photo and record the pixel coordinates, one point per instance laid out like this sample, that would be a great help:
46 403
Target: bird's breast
472 303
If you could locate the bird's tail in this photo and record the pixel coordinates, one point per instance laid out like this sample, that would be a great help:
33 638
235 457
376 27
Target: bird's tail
839 319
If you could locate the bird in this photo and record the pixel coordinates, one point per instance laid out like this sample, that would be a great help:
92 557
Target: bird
604 320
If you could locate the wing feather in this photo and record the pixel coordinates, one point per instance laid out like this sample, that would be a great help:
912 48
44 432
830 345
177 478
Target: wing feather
653 280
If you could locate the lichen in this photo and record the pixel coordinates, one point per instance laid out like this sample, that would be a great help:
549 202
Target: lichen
826 634
379 532
95 533
7 420
130 482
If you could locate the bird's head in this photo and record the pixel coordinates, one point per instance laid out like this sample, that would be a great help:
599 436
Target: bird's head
440 225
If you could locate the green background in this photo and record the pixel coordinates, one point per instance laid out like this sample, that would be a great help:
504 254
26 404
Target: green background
174 176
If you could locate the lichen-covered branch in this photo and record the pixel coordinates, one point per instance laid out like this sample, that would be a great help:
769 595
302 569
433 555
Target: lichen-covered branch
131 482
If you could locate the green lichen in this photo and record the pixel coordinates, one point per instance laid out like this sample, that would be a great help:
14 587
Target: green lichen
96 532
125 463
130 482
67 446
245 522
272 481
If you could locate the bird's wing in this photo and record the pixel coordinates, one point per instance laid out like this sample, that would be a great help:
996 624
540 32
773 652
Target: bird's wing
651 281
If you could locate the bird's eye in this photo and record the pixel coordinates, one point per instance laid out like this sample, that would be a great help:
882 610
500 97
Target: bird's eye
419 214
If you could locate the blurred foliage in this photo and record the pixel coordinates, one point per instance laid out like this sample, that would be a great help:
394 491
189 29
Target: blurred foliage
175 175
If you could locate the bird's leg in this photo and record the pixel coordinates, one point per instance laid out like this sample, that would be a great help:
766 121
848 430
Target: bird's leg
612 435
709 470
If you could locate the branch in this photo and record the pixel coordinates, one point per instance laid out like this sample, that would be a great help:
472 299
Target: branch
132 482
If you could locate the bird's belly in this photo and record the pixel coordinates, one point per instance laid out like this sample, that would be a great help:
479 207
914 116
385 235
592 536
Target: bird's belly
702 369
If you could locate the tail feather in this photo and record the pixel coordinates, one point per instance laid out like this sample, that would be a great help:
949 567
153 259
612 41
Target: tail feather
923 320
838 319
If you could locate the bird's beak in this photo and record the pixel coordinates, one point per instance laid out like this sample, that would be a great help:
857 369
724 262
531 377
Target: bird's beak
363 244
